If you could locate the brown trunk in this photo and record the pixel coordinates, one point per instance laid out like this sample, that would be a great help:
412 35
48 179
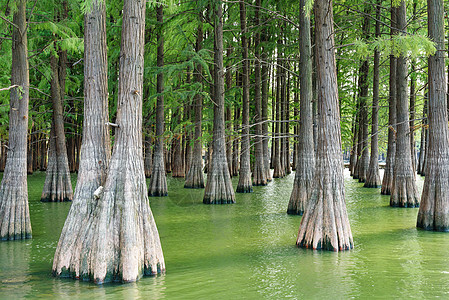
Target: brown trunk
43 151
325 224
278 170
158 182
30 152
219 186
434 211
387 180
148 162
423 147
14 212
259 173
404 192
286 122
265 83
228 116
235 144
244 184
373 177
121 241
412 115
195 177
178 157
57 186
303 184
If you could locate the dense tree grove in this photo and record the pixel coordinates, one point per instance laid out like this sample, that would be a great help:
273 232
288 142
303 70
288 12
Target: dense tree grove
247 88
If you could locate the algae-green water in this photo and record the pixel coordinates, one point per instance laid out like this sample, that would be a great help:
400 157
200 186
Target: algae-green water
246 251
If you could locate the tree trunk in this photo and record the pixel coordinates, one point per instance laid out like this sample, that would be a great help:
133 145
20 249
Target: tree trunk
265 84
121 242
305 160
219 186
148 163
228 116
387 180
373 177
278 171
412 115
325 224
235 144
95 153
423 147
195 177
158 182
30 152
14 212
404 192
58 185
259 173
434 211
244 184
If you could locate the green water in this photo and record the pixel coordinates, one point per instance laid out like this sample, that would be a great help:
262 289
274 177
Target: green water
246 251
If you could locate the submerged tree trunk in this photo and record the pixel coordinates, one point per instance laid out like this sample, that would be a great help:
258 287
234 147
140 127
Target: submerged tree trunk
387 180
278 170
158 182
373 177
305 160
121 242
265 138
195 178
219 186
95 148
404 192
325 224
423 147
259 174
244 184
434 211
14 212
235 144
57 186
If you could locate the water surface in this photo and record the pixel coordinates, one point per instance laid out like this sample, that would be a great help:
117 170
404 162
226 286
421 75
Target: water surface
246 250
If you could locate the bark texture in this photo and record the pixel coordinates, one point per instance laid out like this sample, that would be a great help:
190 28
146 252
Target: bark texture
219 186
434 210
121 242
404 192
244 185
305 161
95 147
14 212
158 182
325 224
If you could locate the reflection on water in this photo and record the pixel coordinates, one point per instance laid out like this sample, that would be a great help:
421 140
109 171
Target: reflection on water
246 250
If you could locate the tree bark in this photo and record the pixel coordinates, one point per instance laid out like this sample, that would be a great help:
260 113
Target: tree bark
325 224
158 182
195 177
387 180
235 144
219 186
259 173
278 170
433 213
244 184
14 212
265 84
423 147
373 177
95 148
404 192
305 160
58 185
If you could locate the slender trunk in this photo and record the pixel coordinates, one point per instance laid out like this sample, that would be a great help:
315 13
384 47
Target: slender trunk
228 117
259 173
412 114
14 212
195 178
235 143
278 171
434 210
373 177
423 147
325 224
404 192
387 180
158 182
303 184
244 184
148 163
30 153
265 85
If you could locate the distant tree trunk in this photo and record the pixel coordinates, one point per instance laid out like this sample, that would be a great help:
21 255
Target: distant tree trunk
95 154
373 177
325 224
244 184
286 123
30 153
158 182
2 156
434 210
121 241
148 162
404 192
195 177
259 174
235 143
266 138
219 186
177 157
43 158
303 184
278 171
354 149
412 114
187 148
14 212
387 180
423 147
228 117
